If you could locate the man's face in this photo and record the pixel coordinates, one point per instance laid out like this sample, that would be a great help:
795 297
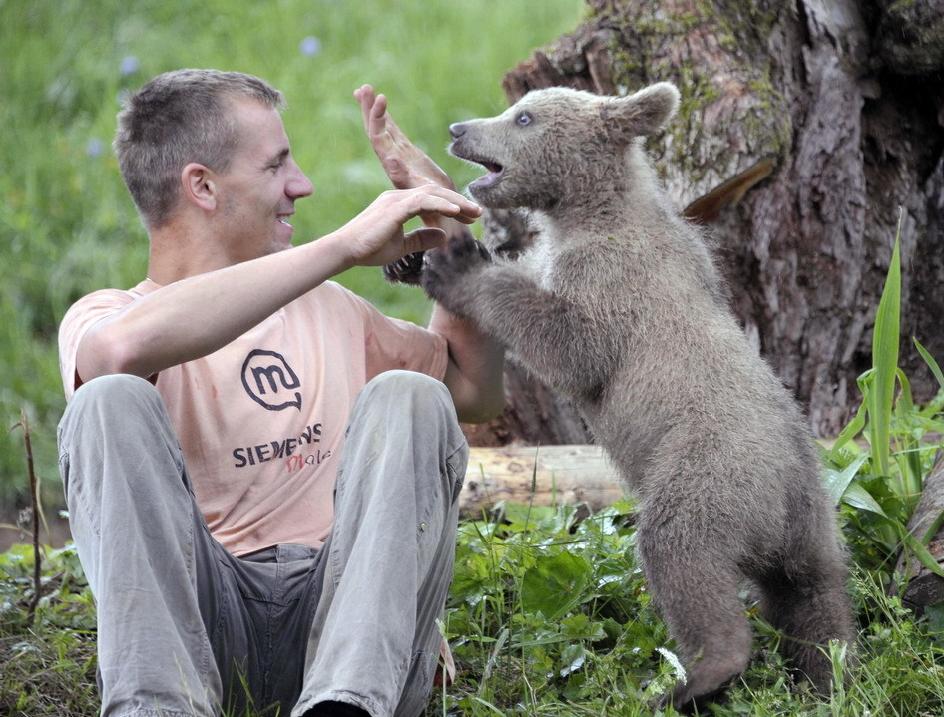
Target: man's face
258 192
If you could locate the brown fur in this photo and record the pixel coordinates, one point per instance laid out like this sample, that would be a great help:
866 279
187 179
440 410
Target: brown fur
619 305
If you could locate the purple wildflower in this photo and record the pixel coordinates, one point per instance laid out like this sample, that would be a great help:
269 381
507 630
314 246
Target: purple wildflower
95 147
310 46
129 65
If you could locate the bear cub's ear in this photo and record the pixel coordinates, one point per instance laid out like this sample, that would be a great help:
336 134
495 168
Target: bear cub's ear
640 114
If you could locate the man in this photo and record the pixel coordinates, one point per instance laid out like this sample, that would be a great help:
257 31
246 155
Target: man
241 543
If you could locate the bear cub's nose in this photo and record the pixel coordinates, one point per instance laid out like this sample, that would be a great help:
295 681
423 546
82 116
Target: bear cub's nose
457 130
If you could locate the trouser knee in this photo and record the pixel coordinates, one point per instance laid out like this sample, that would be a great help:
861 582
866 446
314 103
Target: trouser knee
408 395
112 422
106 399
409 414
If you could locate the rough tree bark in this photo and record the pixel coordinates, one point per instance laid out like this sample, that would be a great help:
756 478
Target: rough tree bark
923 587
847 98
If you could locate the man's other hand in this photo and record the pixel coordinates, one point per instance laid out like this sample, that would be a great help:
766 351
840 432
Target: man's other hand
375 236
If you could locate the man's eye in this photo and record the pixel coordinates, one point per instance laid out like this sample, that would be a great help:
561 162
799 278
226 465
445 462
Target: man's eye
524 119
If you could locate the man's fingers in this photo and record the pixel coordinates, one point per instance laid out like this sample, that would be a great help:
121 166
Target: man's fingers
377 119
381 124
366 97
440 200
423 239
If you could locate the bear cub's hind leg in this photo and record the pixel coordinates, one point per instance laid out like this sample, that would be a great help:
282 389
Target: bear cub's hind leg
698 599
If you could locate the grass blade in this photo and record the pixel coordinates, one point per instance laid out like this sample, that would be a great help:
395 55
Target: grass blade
907 455
929 360
851 430
885 359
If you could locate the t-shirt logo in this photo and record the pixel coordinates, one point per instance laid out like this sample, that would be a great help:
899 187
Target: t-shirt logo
270 381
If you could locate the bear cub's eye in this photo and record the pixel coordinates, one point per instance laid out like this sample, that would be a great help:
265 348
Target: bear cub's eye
523 119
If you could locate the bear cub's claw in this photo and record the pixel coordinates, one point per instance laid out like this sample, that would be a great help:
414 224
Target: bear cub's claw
405 270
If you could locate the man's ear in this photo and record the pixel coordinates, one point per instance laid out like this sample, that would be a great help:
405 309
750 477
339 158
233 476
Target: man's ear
199 187
639 114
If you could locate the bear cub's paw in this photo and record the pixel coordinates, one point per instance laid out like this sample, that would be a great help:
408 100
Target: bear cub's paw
446 268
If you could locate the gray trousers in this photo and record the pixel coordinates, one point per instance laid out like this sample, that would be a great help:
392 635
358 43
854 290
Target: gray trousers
186 628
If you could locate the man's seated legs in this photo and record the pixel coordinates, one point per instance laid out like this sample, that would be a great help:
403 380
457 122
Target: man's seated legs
388 563
141 541
160 580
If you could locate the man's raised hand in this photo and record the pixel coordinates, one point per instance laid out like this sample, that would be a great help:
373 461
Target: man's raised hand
405 164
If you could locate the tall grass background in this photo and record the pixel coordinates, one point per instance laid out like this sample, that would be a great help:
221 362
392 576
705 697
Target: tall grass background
67 224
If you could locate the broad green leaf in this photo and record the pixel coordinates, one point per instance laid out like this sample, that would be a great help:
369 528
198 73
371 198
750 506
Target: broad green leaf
885 337
554 584
929 360
580 627
836 482
858 497
572 659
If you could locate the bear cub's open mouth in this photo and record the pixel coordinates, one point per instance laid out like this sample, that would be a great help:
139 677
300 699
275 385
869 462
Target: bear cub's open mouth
494 168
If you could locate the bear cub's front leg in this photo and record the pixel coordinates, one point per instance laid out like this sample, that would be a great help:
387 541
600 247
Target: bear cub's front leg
449 273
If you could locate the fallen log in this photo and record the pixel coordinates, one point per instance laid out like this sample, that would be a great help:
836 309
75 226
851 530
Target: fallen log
574 474
552 474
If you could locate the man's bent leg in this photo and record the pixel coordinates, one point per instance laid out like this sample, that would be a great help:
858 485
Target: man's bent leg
388 563
140 538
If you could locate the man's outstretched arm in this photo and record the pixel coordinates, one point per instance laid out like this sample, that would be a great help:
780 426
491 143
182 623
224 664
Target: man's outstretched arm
160 330
476 362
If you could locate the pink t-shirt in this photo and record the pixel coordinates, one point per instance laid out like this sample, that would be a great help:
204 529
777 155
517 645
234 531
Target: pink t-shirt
261 421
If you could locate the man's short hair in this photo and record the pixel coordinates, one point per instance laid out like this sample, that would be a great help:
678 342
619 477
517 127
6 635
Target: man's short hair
177 118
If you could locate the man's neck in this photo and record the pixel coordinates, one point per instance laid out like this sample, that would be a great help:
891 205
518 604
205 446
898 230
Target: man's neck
179 251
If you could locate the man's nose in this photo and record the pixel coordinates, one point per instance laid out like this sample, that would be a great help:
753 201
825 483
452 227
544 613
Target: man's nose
299 185
457 130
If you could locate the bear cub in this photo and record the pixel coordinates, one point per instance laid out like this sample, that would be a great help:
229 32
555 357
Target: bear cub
618 304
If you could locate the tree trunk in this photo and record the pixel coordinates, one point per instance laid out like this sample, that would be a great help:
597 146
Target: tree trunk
923 587
846 98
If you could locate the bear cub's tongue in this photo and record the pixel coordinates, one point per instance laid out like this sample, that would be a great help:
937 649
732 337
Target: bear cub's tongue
494 174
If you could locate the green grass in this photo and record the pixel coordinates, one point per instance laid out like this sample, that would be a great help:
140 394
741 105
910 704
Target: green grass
548 615
67 225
